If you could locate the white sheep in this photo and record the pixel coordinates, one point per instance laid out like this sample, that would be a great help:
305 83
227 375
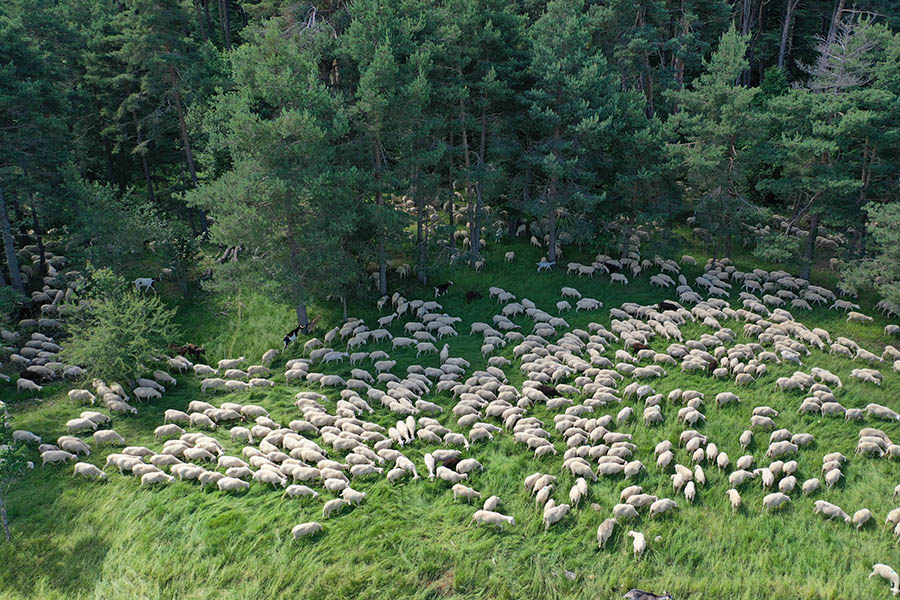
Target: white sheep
26 385
639 544
55 456
492 518
108 436
886 572
88 471
156 477
230 484
304 529
83 396
509 256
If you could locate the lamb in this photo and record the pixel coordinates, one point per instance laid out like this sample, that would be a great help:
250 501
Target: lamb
886 572
304 529
543 265
830 510
492 518
88 471
509 256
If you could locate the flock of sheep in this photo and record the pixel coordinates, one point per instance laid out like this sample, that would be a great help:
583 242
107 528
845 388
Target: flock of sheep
333 444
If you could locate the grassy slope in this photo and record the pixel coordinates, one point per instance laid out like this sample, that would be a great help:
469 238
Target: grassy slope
77 539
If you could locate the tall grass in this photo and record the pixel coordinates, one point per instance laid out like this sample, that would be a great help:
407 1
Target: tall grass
78 539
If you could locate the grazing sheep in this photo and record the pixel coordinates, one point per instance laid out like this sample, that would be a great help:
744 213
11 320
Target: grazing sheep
334 506
886 572
830 510
26 385
231 484
83 396
56 456
88 471
304 529
108 436
156 478
774 500
861 517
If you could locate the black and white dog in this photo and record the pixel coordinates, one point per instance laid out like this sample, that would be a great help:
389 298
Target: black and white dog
300 329
441 289
637 594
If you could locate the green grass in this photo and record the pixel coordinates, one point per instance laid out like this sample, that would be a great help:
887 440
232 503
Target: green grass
78 539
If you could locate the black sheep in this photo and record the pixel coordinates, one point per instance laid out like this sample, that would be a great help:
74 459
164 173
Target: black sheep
472 295
664 305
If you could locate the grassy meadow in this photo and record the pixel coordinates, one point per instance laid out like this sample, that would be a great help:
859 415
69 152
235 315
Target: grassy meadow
76 539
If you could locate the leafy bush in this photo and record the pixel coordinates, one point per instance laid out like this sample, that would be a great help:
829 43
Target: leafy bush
777 248
13 463
122 333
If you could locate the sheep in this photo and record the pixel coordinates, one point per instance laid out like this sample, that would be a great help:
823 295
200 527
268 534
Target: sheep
333 506
88 471
168 431
56 456
509 256
639 544
108 436
231 484
618 277
661 506
492 518
21 435
830 510
861 517
553 514
857 317
886 572
83 396
774 500
26 385
156 477
304 529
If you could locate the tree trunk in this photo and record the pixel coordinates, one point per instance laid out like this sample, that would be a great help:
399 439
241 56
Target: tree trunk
39 238
835 20
470 207
199 11
344 307
186 140
12 261
302 317
379 200
810 246
206 15
4 519
746 19
226 23
420 234
140 140
551 197
789 7
479 199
